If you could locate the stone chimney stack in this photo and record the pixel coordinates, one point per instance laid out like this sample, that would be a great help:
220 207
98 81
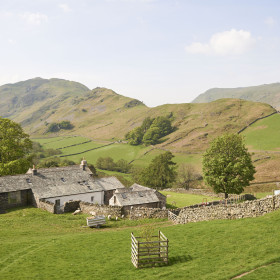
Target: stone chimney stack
34 170
83 164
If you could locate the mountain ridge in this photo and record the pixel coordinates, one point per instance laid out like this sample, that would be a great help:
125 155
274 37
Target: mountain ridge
103 114
266 93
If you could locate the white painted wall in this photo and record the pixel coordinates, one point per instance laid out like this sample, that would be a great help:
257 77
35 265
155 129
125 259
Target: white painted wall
86 197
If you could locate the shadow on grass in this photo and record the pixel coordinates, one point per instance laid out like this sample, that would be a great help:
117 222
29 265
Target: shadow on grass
179 259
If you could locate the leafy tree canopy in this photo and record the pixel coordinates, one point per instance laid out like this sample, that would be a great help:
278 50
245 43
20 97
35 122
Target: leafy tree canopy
227 165
151 130
160 173
14 148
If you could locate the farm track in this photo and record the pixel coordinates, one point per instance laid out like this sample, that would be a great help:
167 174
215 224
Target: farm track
248 272
15 257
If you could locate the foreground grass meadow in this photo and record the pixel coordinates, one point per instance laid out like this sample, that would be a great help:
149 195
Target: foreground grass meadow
38 245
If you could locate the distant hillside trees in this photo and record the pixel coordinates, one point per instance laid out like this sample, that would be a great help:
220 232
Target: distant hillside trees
15 146
151 130
55 127
227 165
160 173
107 163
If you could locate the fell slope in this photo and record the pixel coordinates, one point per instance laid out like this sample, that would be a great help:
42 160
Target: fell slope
269 94
105 115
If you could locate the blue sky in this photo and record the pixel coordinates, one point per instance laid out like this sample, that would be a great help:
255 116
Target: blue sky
158 51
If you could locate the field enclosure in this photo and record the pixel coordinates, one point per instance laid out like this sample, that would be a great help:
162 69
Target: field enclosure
38 245
149 252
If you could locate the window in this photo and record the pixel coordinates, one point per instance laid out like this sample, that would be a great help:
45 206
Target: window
92 199
14 197
115 200
63 180
28 181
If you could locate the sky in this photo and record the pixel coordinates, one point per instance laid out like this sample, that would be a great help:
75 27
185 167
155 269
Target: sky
157 51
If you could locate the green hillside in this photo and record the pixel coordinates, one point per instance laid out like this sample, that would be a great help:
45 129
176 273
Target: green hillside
264 134
269 94
38 245
102 114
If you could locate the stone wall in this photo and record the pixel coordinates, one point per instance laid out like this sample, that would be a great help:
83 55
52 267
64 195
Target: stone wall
253 208
147 213
104 210
46 205
71 206
25 198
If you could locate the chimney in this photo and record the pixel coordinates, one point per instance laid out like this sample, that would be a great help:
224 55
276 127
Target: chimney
34 170
83 164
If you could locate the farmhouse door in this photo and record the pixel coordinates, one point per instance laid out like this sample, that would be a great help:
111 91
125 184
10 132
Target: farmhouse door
57 206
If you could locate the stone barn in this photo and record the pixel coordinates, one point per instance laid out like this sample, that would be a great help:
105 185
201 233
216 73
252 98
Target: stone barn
138 196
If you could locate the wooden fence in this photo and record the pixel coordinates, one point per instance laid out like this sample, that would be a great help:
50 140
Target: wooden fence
149 253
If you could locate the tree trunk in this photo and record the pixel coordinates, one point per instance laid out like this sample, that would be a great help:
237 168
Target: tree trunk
226 195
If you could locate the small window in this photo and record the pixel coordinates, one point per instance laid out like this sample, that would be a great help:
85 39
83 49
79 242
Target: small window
140 194
89 187
14 197
63 180
123 195
92 199
115 200
28 181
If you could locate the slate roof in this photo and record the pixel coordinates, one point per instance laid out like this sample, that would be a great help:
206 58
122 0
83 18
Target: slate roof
109 183
58 181
135 197
137 187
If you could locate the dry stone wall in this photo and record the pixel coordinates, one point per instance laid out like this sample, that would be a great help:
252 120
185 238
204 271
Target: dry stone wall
103 210
147 213
247 209
46 205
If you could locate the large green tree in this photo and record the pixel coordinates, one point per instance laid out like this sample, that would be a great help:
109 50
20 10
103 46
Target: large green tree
160 173
14 148
227 165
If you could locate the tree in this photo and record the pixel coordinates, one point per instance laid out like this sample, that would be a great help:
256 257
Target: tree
187 175
14 148
161 172
227 165
151 136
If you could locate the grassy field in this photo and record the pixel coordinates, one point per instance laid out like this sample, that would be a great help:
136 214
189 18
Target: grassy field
185 199
38 245
264 134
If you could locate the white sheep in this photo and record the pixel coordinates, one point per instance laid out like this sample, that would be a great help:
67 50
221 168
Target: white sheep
109 217
92 213
117 218
122 216
78 211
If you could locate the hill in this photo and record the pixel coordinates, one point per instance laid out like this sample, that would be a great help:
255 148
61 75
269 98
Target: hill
269 94
103 114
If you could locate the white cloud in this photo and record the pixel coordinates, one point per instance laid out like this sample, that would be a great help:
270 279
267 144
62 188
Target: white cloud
65 8
270 22
34 18
224 43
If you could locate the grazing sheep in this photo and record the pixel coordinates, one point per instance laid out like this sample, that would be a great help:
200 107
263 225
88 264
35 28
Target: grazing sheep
78 211
109 217
122 216
117 218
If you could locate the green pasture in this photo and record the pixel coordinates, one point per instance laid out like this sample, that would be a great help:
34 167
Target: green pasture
140 155
38 245
60 142
264 134
175 199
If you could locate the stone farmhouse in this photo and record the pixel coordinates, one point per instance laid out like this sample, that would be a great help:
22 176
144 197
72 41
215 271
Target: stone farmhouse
57 186
137 196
